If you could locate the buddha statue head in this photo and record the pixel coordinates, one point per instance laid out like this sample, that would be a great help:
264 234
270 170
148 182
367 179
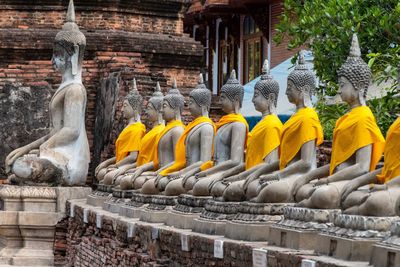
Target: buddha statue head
354 76
200 99
154 105
232 93
132 106
266 91
300 84
173 104
69 48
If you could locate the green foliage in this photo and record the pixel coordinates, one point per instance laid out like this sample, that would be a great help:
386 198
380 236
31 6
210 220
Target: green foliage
326 27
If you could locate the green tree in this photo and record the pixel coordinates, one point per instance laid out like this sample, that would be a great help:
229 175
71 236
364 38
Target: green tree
326 27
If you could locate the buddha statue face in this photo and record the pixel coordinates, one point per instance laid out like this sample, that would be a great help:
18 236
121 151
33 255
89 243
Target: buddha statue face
232 93
228 106
194 108
292 93
127 110
261 103
347 91
168 112
151 112
60 60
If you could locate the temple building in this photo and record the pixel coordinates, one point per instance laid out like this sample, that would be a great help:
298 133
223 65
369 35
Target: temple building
236 35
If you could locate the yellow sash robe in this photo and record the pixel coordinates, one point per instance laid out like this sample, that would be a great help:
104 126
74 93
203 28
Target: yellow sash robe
264 138
129 140
230 118
353 131
391 167
148 145
301 128
169 126
180 149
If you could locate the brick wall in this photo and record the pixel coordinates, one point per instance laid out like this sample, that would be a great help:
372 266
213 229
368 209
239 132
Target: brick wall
125 38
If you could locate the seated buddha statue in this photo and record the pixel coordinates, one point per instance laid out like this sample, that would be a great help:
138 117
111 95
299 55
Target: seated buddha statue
166 141
263 141
62 156
300 135
128 142
229 143
193 148
357 141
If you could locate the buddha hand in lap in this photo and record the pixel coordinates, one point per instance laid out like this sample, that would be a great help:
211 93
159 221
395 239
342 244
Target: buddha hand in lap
62 156
357 141
229 143
166 142
148 144
264 139
194 146
376 193
300 136
128 142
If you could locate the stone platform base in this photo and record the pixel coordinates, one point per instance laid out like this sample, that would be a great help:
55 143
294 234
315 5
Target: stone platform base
113 204
300 227
182 220
28 220
387 252
158 208
352 236
100 195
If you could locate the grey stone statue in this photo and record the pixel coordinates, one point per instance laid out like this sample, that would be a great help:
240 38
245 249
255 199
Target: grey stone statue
321 188
269 184
109 169
265 98
197 140
229 141
62 156
173 104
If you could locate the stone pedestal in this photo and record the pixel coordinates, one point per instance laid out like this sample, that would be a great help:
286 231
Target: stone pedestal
158 208
300 227
253 220
187 209
352 236
27 222
100 195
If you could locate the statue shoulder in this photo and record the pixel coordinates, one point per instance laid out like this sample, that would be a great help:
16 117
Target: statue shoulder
239 126
75 90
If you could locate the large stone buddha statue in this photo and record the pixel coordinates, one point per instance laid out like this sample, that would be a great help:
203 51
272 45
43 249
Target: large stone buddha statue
264 139
230 140
300 136
194 147
62 156
166 141
379 199
128 142
357 141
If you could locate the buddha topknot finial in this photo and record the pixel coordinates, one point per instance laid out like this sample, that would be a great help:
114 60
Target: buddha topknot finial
134 98
355 69
157 97
174 98
266 85
233 89
201 95
70 35
301 76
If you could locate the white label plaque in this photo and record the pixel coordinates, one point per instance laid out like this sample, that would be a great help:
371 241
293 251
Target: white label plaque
259 257
307 263
72 210
154 233
218 249
99 218
185 242
131 229
85 215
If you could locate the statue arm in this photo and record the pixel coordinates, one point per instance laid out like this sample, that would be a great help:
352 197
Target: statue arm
272 156
354 184
129 159
302 165
363 161
74 113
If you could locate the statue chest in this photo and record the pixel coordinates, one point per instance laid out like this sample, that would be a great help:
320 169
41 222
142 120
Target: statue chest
57 110
222 144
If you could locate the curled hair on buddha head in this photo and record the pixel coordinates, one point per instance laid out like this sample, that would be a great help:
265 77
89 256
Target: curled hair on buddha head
201 94
70 36
134 98
302 77
267 85
233 90
174 98
157 98
355 69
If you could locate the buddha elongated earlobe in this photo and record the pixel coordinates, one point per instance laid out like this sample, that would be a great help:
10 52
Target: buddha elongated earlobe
74 60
